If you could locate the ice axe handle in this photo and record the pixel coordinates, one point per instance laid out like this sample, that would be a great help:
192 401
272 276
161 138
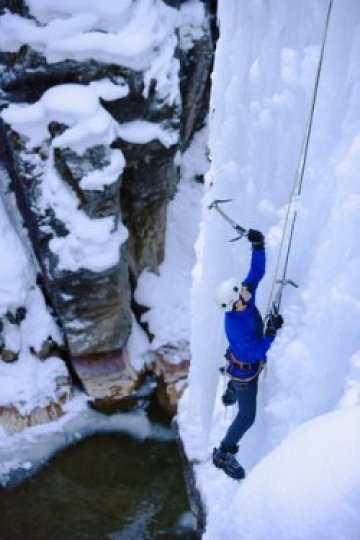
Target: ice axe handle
242 232
238 228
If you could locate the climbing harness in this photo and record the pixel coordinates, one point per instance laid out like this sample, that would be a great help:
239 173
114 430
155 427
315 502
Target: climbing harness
297 183
238 228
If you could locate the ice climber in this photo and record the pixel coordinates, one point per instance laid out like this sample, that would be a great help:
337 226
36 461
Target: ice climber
246 353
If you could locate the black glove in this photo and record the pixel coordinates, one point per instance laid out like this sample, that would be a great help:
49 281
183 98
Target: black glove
229 396
274 323
256 238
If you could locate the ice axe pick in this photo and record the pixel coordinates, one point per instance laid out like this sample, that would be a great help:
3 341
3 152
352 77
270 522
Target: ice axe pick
277 301
238 228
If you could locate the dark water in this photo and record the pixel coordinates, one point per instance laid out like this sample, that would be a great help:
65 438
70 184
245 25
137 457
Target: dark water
108 486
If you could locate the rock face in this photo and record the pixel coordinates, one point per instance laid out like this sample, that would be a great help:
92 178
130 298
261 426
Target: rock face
12 419
148 183
196 66
107 377
171 366
95 124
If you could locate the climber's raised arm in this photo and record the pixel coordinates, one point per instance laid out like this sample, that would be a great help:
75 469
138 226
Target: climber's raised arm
257 265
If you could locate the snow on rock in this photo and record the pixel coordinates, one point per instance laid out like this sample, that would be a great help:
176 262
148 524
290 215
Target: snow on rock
38 318
95 125
91 243
138 346
137 35
29 387
108 13
83 230
191 21
18 288
167 294
14 273
29 383
75 105
142 132
99 82
264 74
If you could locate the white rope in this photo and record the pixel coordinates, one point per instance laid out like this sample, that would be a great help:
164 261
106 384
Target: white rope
299 171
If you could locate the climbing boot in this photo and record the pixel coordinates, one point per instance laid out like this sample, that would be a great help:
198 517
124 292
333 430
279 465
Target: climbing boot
225 460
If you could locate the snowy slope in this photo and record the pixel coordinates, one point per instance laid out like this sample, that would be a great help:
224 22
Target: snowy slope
309 401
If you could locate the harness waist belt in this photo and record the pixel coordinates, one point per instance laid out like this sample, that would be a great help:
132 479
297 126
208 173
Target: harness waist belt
243 365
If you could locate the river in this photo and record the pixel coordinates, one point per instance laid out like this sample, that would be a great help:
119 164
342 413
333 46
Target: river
106 486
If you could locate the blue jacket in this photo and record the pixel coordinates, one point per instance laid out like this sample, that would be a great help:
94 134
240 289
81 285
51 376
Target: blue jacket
244 329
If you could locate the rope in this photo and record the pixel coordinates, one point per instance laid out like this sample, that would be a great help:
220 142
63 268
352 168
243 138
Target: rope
300 169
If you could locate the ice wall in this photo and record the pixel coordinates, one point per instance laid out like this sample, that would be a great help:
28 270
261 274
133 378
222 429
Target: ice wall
263 81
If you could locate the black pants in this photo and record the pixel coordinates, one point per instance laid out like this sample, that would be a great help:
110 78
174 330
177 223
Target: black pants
246 393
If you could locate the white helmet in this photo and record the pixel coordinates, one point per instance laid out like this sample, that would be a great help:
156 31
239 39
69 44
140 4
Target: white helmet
227 293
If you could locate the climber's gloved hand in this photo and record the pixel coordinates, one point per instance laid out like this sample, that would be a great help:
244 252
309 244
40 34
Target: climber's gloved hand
256 238
229 396
274 323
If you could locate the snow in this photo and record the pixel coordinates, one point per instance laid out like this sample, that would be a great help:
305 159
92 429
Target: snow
45 10
142 132
137 346
301 458
29 383
38 318
77 35
192 18
13 269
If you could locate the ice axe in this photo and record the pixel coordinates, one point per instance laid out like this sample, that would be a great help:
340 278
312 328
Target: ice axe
275 306
238 228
